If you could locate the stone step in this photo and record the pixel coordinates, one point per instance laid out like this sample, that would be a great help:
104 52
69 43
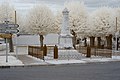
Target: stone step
66 54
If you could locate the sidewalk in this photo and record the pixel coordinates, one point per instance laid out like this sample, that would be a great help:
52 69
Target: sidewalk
84 60
29 60
25 60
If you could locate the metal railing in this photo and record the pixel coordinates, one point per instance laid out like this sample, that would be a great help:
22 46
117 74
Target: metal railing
95 51
35 51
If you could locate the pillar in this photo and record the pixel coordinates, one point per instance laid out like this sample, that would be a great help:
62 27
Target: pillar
55 52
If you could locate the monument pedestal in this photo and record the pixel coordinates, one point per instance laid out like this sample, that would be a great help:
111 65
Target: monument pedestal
66 50
65 41
65 38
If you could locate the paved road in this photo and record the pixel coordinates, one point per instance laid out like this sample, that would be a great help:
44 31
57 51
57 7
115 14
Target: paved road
92 71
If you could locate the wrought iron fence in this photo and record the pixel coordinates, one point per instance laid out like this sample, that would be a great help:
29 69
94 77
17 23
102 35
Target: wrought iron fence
35 51
95 51
104 53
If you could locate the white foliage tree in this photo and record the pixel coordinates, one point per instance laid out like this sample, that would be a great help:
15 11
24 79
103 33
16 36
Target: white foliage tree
58 21
102 22
40 19
117 11
7 12
21 21
78 17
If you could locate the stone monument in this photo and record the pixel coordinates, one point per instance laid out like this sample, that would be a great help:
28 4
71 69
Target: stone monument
65 36
65 44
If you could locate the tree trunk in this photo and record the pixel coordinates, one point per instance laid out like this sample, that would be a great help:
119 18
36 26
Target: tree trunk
85 43
109 41
99 42
11 47
117 43
92 41
41 40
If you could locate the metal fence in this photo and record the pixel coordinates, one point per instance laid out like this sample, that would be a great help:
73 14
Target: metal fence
81 51
104 53
35 51
95 51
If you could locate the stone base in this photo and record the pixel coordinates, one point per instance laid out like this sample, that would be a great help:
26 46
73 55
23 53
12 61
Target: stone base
65 41
65 54
69 54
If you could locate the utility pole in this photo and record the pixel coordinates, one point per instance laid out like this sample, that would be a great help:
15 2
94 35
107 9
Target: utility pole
116 37
6 22
116 24
15 18
16 35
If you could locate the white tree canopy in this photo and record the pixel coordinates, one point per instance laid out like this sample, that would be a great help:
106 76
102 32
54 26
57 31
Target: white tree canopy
77 17
117 12
58 20
102 22
7 12
40 19
21 21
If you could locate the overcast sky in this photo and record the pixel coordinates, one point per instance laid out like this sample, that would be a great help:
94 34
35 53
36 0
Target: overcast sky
55 5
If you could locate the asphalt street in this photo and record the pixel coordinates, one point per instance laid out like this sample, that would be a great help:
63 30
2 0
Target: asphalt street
89 71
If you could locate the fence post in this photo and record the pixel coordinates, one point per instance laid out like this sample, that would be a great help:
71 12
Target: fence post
45 50
28 50
88 52
55 52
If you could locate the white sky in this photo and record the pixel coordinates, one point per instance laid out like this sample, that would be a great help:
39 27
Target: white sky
24 5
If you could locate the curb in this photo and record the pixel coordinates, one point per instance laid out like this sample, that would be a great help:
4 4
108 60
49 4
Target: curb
5 67
36 65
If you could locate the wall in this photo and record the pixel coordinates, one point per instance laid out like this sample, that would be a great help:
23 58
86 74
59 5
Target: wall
25 40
